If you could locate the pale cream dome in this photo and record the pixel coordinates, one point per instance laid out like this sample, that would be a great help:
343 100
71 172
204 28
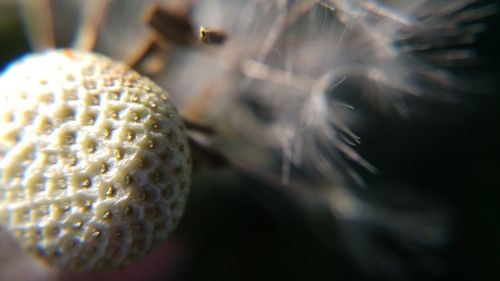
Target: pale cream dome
94 160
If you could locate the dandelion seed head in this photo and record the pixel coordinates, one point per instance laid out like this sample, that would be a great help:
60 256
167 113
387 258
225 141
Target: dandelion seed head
272 91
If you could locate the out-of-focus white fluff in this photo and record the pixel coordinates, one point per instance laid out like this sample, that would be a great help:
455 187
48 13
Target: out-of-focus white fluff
272 94
270 90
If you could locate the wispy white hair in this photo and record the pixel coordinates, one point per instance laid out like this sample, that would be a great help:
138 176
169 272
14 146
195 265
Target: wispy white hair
271 90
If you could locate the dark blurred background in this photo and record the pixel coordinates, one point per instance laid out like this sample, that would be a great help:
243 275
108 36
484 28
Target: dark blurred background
237 227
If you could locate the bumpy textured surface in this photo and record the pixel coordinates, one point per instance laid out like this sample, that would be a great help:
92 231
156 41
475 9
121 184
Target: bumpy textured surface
94 160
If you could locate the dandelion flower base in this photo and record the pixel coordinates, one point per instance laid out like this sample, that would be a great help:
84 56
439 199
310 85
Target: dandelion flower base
94 160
